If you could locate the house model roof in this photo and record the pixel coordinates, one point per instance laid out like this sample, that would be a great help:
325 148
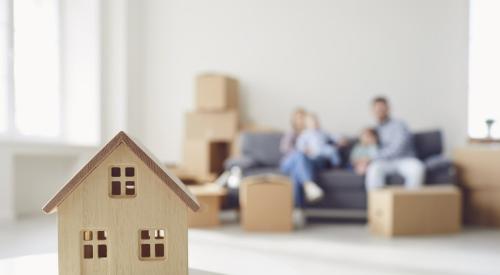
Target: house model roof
169 179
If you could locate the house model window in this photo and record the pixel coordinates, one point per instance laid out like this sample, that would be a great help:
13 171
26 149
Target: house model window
94 244
152 244
122 181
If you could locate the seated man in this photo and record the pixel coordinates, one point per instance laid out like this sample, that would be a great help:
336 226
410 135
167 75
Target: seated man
396 154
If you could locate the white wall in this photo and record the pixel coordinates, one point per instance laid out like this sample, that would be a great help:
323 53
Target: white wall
331 56
33 192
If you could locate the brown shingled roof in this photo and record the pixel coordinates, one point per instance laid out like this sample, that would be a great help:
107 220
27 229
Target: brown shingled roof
169 179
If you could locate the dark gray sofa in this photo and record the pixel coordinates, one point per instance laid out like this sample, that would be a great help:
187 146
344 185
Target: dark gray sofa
344 190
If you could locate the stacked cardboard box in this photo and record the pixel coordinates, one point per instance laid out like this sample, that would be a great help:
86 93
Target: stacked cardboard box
212 127
479 176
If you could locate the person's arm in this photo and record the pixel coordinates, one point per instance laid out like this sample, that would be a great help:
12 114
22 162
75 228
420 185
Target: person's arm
400 140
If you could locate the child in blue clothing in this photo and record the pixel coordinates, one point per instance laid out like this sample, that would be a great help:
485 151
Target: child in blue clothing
317 143
364 151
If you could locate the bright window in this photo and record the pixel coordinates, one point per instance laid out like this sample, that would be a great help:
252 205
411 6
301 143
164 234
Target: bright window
4 63
36 68
484 68
49 71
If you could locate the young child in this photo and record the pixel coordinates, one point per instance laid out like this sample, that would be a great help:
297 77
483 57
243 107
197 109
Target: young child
364 151
315 143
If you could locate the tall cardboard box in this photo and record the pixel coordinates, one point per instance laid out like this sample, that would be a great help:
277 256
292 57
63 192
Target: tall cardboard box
429 210
478 166
266 203
216 93
482 207
205 157
212 126
210 197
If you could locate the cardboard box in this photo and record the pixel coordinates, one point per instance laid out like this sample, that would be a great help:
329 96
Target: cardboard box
221 126
429 210
204 157
216 93
188 177
209 196
266 203
478 166
482 207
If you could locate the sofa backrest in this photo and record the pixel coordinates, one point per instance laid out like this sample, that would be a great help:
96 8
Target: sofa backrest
264 147
429 143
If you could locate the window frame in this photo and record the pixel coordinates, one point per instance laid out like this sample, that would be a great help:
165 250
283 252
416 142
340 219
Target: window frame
11 132
153 241
95 242
474 47
123 179
68 95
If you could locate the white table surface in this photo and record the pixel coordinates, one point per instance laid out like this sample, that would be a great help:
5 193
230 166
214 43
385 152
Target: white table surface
46 264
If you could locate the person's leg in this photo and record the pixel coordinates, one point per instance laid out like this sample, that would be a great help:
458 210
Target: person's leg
312 192
412 170
304 168
288 162
297 166
376 174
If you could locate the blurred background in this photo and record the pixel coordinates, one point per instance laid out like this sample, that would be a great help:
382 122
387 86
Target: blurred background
74 73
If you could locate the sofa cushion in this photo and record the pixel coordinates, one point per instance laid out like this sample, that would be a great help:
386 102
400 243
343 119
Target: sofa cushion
341 200
428 144
341 179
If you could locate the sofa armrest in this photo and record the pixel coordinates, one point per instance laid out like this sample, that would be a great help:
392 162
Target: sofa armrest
440 169
438 162
242 162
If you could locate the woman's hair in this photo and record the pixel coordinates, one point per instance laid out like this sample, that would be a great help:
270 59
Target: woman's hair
297 111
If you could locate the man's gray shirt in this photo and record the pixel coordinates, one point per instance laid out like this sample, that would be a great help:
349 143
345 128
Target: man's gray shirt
395 140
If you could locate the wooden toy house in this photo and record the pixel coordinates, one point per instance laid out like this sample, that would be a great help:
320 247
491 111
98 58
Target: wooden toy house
122 213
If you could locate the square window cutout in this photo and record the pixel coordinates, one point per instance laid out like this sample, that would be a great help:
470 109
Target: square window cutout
130 188
145 251
145 235
101 235
115 172
87 235
88 252
102 251
130 172
116 188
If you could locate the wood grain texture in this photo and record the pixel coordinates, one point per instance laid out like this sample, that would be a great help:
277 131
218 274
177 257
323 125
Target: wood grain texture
148 159
89 207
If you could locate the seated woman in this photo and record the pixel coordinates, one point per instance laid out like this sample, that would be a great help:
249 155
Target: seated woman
319 148
307 151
